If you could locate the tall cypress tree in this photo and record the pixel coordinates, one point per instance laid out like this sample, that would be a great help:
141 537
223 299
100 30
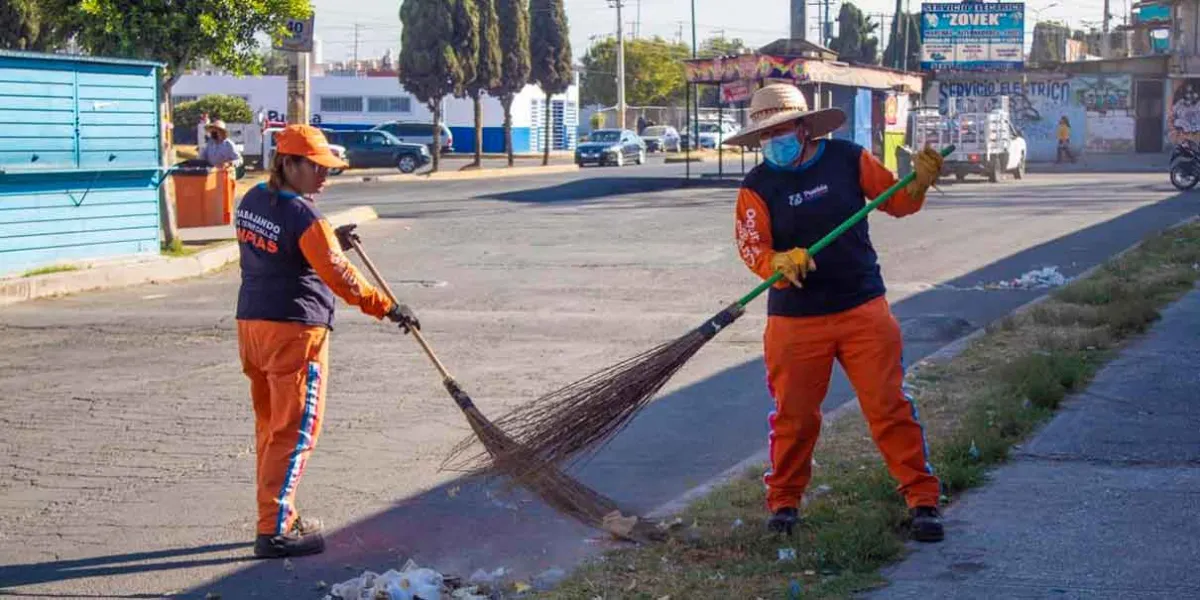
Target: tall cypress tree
466 44
487 67
854 41
550 54
896 54
514 70
429 66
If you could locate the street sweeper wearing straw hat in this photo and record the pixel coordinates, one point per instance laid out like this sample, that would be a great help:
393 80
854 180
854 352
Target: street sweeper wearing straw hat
831 307
292 267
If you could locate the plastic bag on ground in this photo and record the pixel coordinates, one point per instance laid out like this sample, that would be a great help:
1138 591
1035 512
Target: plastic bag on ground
413 584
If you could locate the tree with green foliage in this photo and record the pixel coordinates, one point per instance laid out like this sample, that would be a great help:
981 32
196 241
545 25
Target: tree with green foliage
653 72
1049 43
465 41
35 25
231 109
855 41
550 55
275 62
177 34
722 46
429 66
514 66
487 68
894 55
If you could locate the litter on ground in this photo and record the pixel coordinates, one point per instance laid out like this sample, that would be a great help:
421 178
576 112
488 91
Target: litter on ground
1036 279
414 583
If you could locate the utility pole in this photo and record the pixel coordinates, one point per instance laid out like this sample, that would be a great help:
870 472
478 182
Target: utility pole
826 27
679 33
299 75
907 27
356 26
1106 43
637 30
693 139
620 66
298 46
799 21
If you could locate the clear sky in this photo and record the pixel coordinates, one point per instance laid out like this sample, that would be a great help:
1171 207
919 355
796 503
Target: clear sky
756 21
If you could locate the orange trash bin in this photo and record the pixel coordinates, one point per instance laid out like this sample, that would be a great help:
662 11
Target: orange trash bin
203 195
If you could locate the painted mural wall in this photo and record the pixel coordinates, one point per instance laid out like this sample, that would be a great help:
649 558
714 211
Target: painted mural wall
1036 104
1183 116
1108 102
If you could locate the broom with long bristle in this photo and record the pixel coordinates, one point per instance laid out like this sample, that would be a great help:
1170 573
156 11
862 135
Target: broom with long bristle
579 418
557 489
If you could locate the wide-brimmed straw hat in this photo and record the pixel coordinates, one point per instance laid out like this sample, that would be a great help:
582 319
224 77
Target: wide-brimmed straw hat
218 125
779 103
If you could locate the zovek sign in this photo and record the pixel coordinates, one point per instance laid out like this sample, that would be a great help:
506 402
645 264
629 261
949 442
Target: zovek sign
972 36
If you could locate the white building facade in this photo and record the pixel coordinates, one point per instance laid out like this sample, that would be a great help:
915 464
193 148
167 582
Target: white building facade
340 102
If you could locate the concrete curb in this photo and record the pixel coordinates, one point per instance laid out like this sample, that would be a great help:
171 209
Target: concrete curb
155 270
941 355
485 173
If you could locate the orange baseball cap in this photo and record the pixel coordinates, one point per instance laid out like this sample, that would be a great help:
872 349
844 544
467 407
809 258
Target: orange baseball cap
309 142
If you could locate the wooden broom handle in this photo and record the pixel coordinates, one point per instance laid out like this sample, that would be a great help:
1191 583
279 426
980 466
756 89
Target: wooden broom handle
416 333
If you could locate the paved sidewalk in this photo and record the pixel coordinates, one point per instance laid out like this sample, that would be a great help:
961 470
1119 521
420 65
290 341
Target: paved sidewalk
1157 162
1103 503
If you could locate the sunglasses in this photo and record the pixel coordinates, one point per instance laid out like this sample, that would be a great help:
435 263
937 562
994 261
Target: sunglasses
317 169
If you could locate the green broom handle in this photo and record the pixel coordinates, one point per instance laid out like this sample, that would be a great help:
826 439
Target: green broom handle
840 229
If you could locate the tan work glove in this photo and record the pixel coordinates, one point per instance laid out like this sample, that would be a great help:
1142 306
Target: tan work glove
927 167
794 264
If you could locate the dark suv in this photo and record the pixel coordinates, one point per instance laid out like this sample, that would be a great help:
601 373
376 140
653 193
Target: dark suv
372 149
418 133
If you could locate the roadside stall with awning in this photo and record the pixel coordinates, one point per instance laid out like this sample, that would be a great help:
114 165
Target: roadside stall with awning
874 98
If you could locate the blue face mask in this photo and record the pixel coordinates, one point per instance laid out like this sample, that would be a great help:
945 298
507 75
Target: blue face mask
783 150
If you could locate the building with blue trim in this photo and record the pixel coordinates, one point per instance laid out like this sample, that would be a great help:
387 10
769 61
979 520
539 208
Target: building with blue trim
79 159
361 102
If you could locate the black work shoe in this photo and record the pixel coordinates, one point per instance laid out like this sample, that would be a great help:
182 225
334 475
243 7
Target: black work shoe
783 521
927 524
302 539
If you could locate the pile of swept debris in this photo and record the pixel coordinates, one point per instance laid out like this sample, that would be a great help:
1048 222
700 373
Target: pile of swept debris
1037 279
416 583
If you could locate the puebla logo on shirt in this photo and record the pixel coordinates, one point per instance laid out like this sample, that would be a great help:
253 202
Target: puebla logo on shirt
808 195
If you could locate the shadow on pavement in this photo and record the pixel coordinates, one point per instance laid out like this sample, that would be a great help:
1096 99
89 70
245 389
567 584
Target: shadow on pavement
678 442
590 188
121 564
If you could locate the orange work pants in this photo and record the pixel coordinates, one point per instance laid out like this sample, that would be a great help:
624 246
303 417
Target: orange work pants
799 353
287 364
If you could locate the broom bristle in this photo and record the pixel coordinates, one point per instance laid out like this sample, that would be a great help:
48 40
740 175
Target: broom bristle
558 490
580 418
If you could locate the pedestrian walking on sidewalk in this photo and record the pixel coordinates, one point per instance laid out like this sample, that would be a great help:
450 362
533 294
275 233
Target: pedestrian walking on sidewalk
804 189
1064 140
292 266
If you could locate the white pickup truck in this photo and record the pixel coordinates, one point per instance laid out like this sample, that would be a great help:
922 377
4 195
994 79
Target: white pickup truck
985 140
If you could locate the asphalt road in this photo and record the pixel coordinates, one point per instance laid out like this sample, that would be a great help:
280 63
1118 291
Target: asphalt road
127 466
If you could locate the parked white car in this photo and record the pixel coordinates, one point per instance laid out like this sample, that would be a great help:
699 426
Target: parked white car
713 134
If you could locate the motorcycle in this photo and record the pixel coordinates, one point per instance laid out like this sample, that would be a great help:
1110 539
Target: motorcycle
1185 165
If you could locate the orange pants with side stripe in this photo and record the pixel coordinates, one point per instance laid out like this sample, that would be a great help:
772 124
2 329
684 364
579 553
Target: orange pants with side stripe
799 353
287 364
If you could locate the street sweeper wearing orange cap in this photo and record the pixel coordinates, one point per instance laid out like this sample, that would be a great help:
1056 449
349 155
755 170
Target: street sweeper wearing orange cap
805 189
292 267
